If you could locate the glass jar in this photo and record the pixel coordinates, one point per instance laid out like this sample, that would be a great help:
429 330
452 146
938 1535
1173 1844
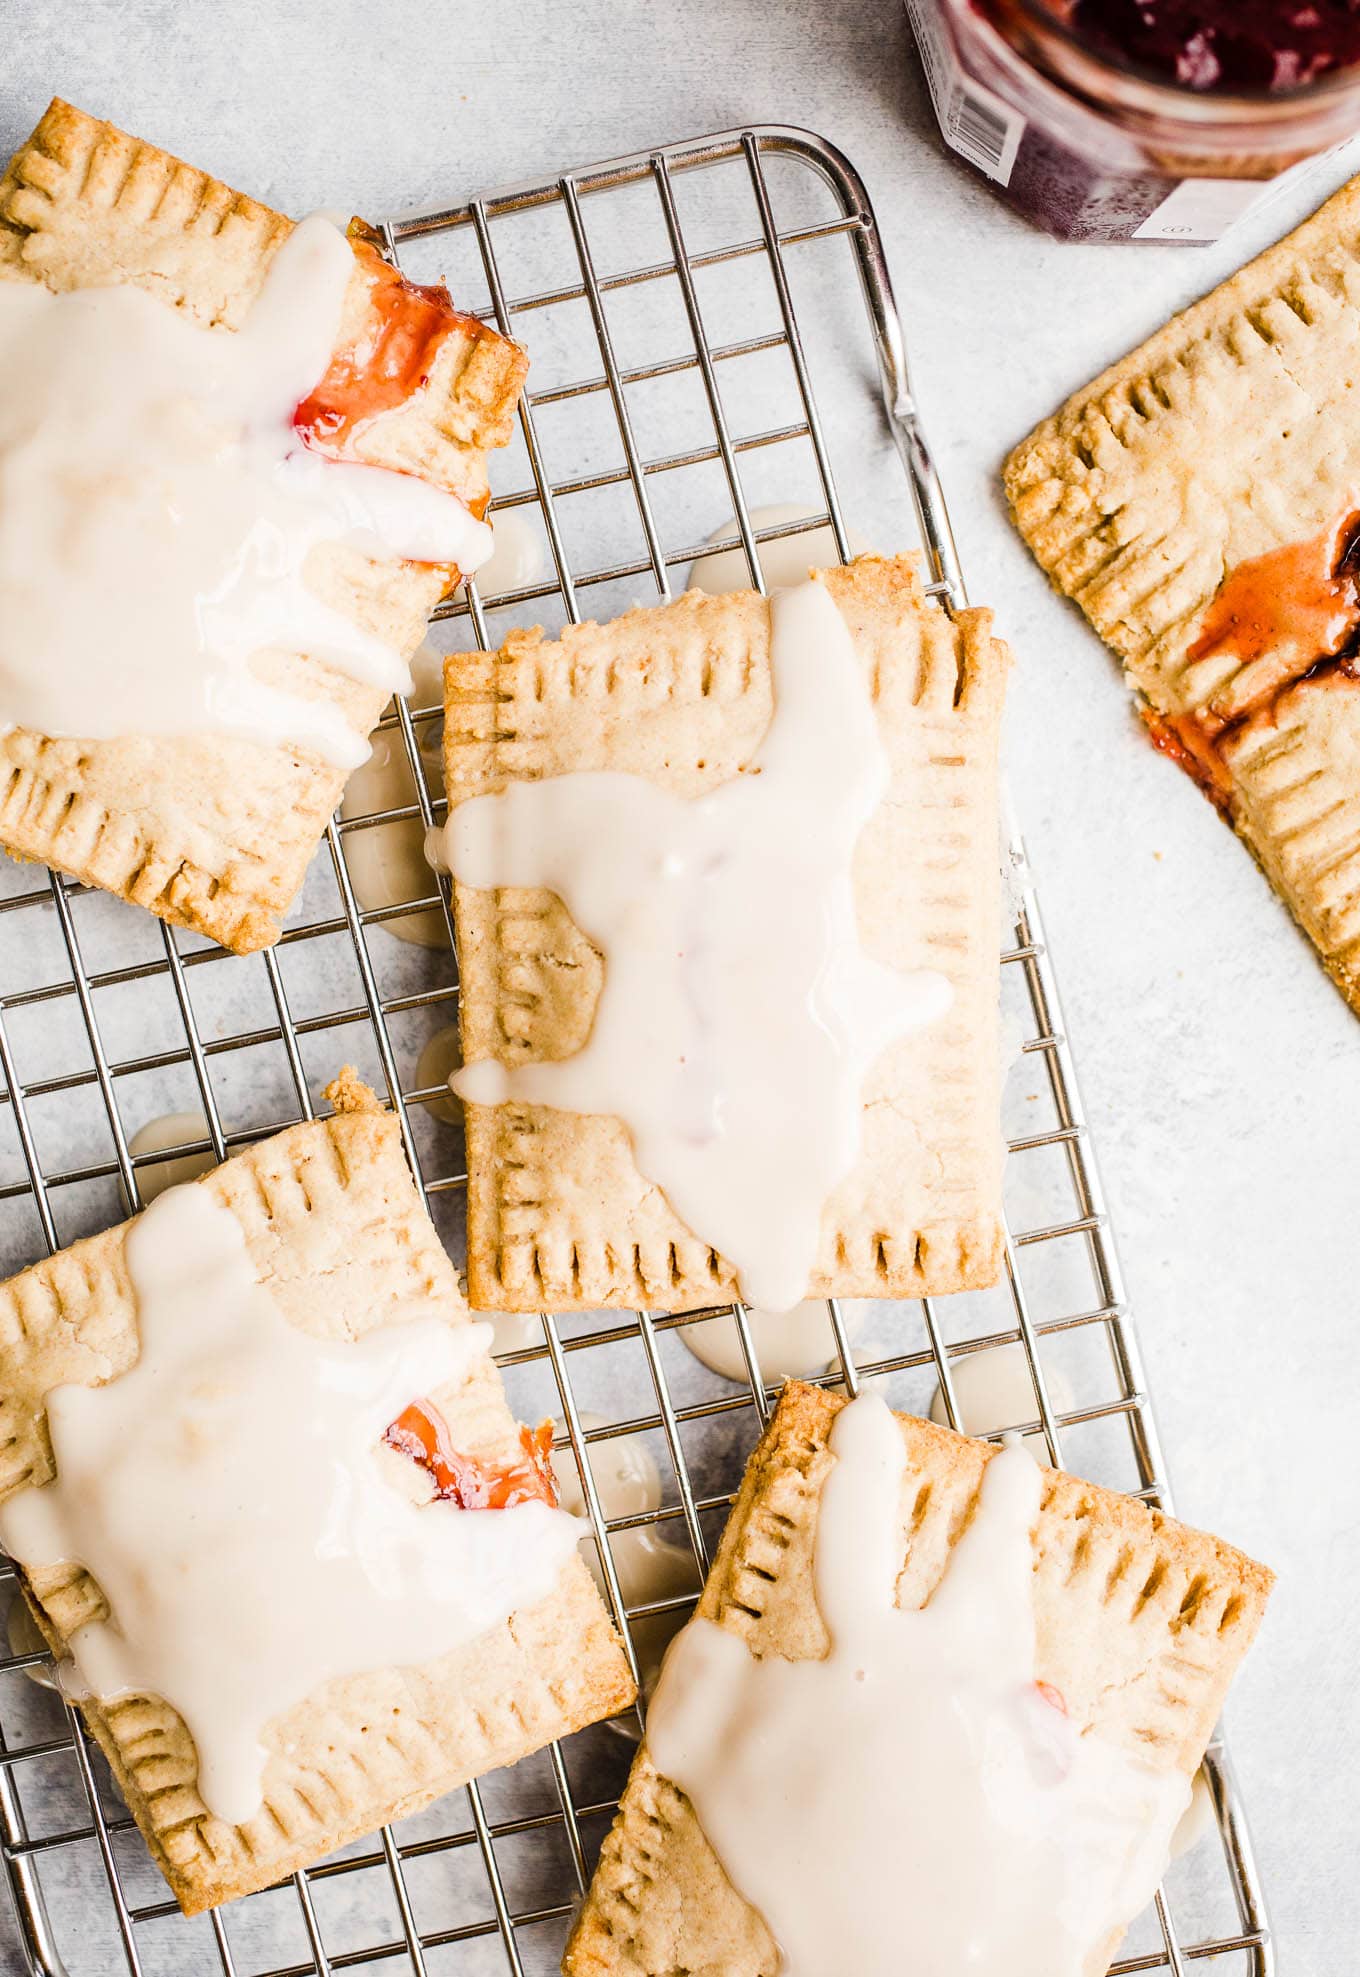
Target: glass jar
1093 150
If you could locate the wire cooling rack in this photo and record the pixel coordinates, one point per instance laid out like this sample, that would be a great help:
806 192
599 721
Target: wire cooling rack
703 341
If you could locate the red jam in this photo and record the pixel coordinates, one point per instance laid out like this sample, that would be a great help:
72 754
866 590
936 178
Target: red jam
1296 608
1242 47
1298 603
390 358
422 1433
1185 741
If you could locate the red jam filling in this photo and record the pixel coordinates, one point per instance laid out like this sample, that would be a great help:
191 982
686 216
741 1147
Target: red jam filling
1243 46
1299 602
422 1433
1186 742
389 358
1294 614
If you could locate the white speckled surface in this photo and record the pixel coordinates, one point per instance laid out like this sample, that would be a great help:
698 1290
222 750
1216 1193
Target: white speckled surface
1221 1071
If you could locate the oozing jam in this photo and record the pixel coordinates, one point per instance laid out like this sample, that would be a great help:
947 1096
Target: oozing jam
1242 47
421 1432
1184 740
1295 614
1300 601
390 358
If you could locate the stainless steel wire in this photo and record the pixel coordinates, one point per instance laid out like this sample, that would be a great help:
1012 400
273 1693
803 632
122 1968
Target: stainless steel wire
81 1890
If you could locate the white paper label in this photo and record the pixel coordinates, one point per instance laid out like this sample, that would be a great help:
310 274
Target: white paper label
973 120
1200 209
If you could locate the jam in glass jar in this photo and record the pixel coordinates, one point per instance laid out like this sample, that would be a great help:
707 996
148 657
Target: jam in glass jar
1139 119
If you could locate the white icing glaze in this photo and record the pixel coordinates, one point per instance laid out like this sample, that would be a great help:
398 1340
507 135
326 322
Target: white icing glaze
993 1391
739 1015
914 1795
786 560
231 1498
517 560
1198 1820
789 1345
157 509
170 1129
628 1484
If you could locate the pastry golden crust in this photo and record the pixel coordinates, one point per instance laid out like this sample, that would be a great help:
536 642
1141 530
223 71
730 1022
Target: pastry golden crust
558 1216
335 1227
214 831
1232 434
1140 1623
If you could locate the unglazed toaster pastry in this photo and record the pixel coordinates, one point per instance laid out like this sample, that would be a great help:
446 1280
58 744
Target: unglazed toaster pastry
726 898
1201 502
938 1708
303 1570
242 460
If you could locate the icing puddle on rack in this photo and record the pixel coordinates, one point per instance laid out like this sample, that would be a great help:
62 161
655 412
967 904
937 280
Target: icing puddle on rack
919 1762
227 1495
739 1014
438 1060
789 1345
994 1392
163 492
398 861
784 560
170 1129
628 1484
389 863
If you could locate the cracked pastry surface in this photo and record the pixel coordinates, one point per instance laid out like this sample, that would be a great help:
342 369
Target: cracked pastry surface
558 1215
1199 501
336 1230
214 831
1140 1624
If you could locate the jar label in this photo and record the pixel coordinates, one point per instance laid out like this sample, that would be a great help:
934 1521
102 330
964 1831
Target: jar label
973 120
1200 209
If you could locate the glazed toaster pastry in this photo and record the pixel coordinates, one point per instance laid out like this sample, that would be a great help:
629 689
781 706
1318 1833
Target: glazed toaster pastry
558 1215
1140 1625
336 1230
215 831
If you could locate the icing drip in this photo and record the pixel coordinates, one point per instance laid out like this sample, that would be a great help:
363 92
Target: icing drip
739 1014
230 1497
158 508
915 1800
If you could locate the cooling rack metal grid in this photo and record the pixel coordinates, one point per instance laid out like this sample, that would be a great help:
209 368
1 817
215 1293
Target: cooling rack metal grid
703 341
